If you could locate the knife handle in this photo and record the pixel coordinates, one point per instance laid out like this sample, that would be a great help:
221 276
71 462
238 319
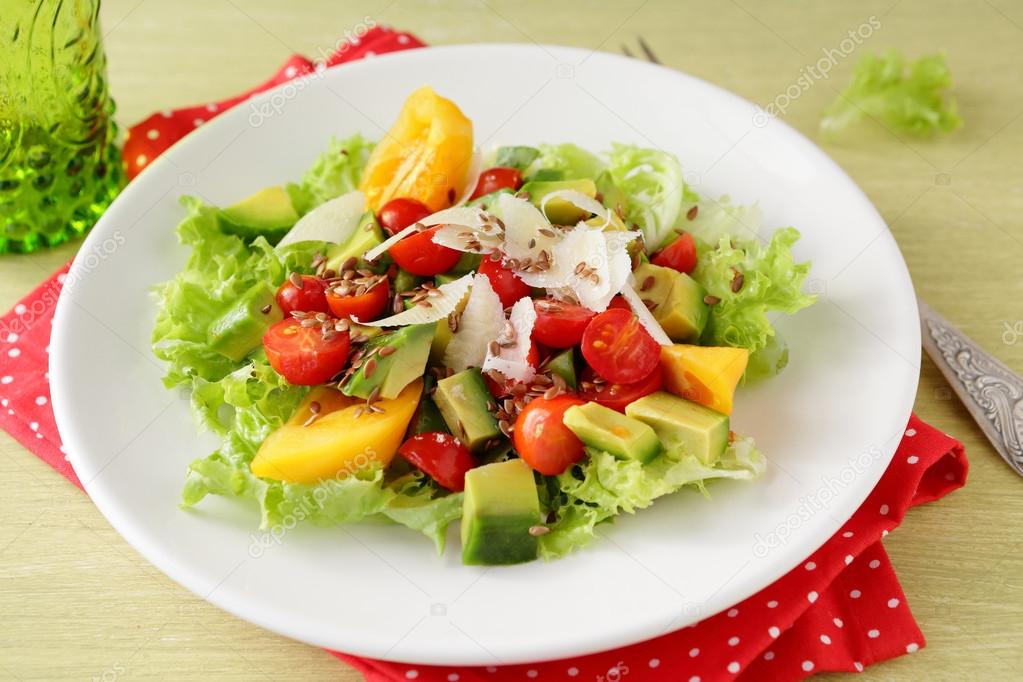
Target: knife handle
992 392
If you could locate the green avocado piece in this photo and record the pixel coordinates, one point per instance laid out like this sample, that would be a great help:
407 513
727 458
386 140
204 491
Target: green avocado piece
563 364
427 418
240 330
678 422
500 505
392 373
367 235
559 211
604 429
654 284
405 280
516 157
547 174
268 213
610 194
684 314
462 399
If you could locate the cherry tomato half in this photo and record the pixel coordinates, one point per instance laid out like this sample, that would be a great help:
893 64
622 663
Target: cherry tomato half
500 389
365 307
441 456
559 324
498 177
620 302
418 254
507 285
618 348
617 396
679 255
308 298
542 439
301 355
397 214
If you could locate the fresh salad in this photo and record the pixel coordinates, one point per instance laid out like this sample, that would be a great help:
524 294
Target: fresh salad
531 349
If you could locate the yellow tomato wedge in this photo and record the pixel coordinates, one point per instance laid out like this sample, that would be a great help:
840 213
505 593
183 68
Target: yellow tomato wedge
704 374
336 442
426 155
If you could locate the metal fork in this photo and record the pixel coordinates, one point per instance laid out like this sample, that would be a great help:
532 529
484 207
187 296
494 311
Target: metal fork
991 392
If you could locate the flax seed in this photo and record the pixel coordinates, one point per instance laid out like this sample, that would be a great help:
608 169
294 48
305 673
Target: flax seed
691 213
711 300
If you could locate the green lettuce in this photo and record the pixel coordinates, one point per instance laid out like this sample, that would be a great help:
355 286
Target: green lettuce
771 281
335 172
906 98
570 160
654 190
243 402
602 487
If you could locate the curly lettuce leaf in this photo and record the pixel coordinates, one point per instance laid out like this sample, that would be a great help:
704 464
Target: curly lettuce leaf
603 487
571 161
243 402
654 190
772 281
906 98
335 172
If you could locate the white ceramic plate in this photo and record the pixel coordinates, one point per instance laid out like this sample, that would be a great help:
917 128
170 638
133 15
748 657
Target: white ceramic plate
829 423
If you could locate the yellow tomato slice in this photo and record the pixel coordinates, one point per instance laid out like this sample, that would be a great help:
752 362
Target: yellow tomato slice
426 155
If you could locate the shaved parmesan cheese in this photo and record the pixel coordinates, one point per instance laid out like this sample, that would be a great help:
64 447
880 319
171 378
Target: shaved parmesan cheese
381 248
522 225
512 361
479 324
646 318
461 238
472 177
333 221
579 200
441 306
465 216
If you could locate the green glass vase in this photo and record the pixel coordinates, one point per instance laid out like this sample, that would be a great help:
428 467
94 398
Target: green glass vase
59 162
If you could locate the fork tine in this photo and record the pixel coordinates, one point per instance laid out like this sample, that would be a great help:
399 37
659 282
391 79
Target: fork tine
647 51
626 51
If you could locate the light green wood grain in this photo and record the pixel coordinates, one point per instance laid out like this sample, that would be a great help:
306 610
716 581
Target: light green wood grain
77 602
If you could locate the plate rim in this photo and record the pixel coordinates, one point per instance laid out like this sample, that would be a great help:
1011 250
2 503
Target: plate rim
189 577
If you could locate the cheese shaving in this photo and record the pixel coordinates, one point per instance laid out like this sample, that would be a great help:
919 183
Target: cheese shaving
579 200
333 221
451 294
479 324
381 248
511 360
646 318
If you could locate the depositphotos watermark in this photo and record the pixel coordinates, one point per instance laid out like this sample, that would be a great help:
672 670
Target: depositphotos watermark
811 505
307 507
819 70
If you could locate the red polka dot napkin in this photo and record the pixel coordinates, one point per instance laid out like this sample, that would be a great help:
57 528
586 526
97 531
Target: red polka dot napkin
841 609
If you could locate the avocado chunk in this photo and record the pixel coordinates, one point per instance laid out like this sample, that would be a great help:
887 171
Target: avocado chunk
462 399
610 194
427 418
684 314
546 174
393 372
697 430
405 280
268 213
516 157
559 211
367 235
239 330
604 429
500 506
563 364
654 282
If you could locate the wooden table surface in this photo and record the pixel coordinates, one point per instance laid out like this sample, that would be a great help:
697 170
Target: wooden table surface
76 602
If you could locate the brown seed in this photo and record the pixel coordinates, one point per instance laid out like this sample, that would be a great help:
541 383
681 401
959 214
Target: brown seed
505 426
711 300
494 348
308 323
451 195
341 326
296 280
370 367
386 350
266 309
650 305
737 281
374 395
548 232
537 531
532 243
329 274
358 411
425 303
551 393
494 256
648 283
691 213
579 268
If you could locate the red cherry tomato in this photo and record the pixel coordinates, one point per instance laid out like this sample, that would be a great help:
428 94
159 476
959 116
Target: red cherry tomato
618 348
617 396
558 324
308 298
542 439
620 302
500 389
301 355
441 456
679 255
418 254
365 307
498 177
507 285
397 214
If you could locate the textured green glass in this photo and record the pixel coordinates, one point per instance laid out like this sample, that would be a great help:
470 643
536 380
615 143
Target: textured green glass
59 164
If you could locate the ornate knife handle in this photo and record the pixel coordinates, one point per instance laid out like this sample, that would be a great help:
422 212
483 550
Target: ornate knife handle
992 392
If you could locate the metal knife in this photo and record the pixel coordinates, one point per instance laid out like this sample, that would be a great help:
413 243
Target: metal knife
992 392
